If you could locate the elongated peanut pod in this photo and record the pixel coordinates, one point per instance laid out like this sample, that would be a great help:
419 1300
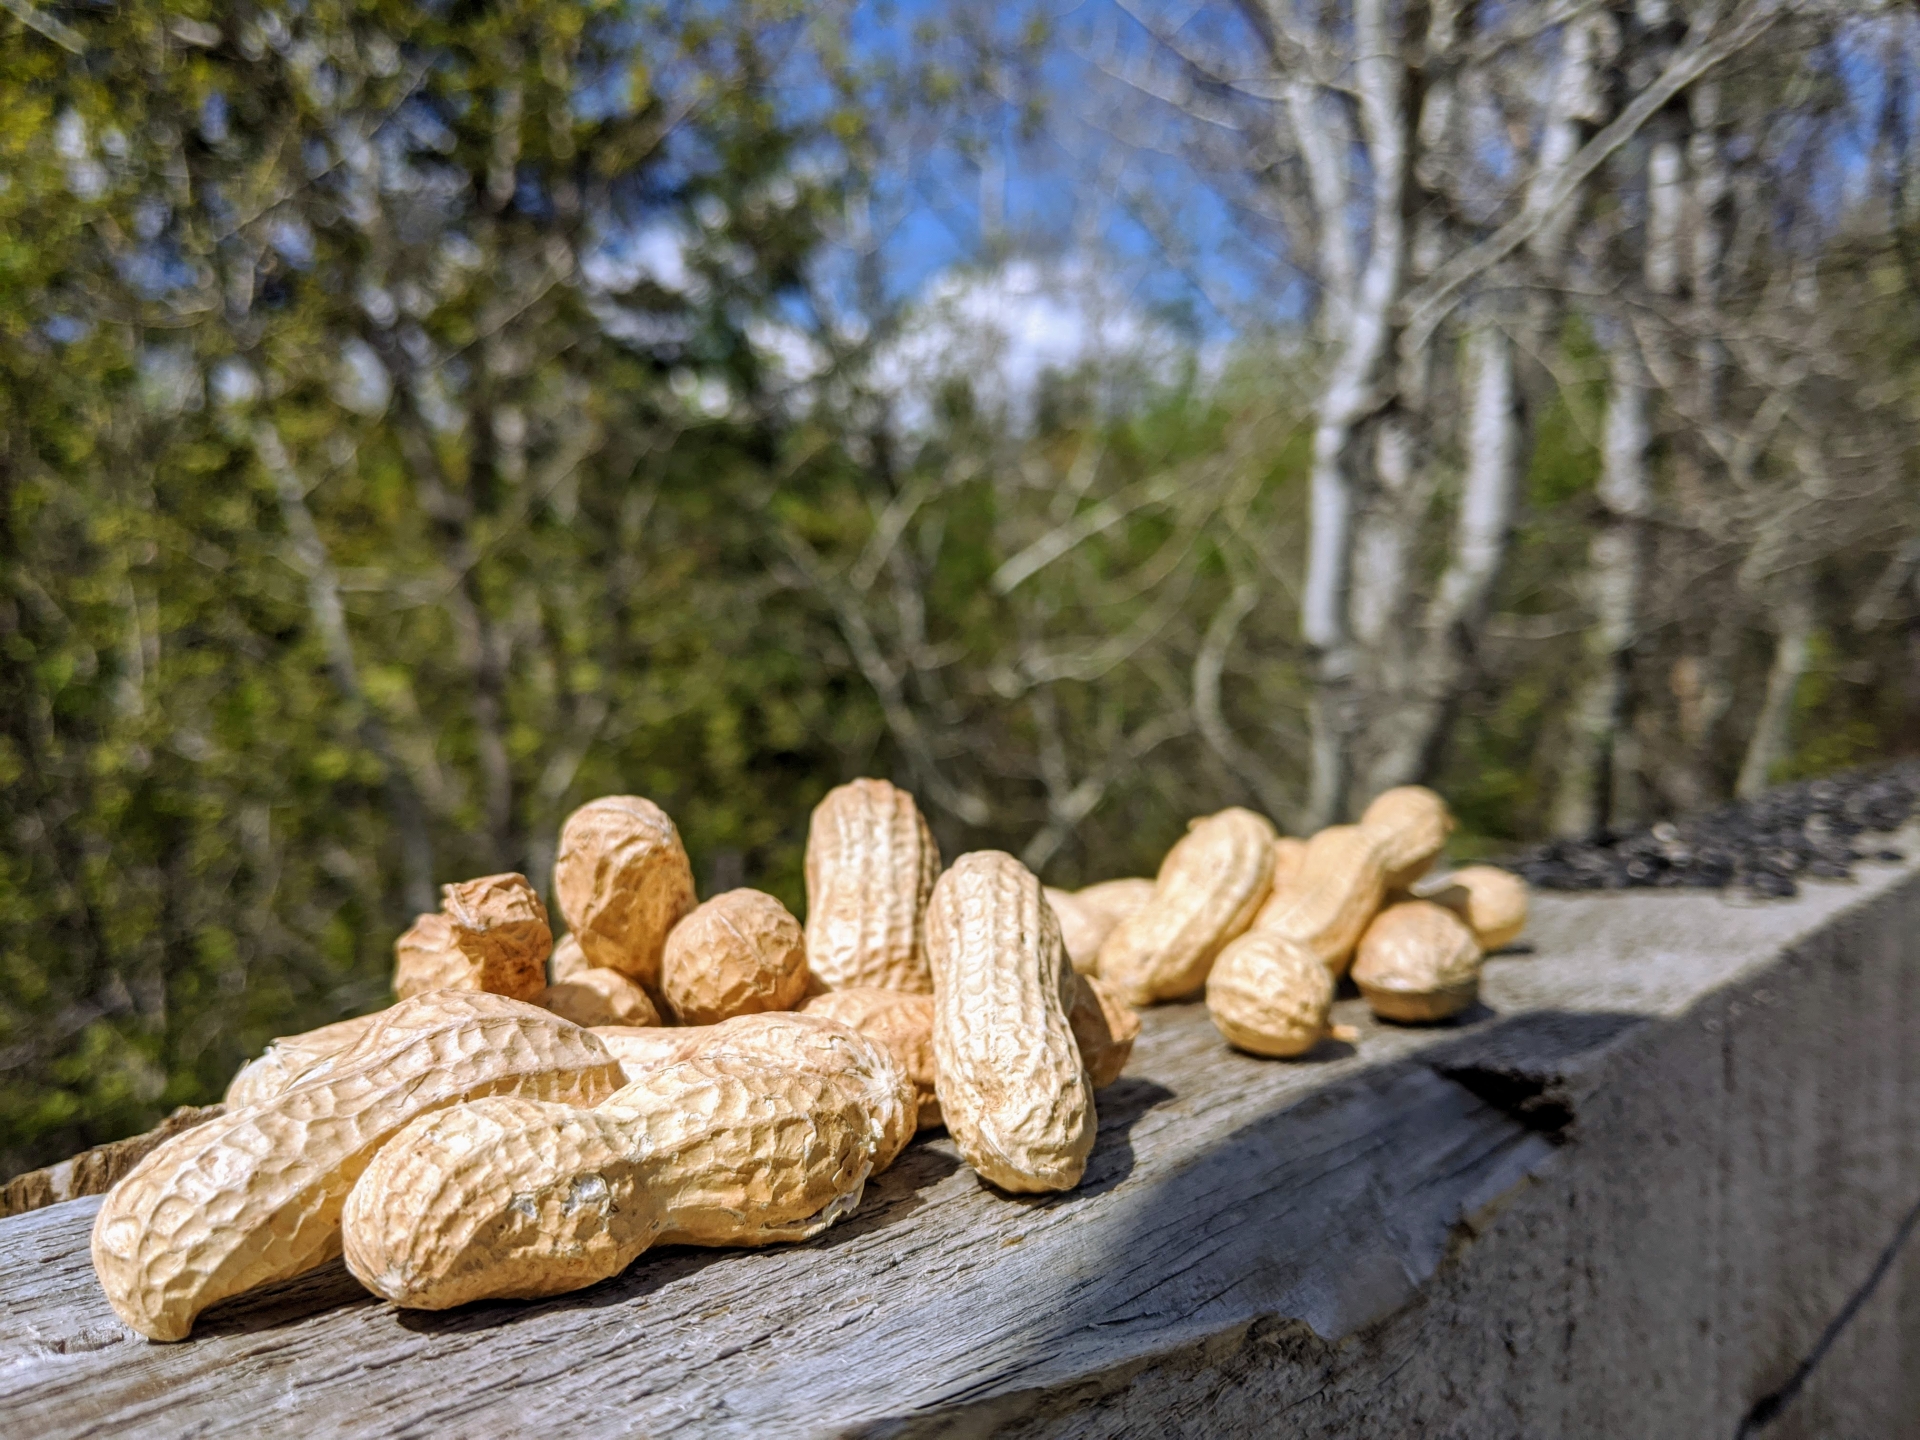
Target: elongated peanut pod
1418 962
1414 824
276 1069
514 1198
902 1023
1492 901
814 1043
1332 896
1210 885
255 1196
871 863
1270 995
1289 854
1104 1027
622 880
1016 1098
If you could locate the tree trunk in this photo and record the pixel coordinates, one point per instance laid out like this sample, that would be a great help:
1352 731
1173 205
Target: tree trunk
1772 739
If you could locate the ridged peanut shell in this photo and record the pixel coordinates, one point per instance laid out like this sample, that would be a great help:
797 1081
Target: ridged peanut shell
1082 928
1336 891
739 953
622 880
516 1199
1209 887
1270 995
902 1023
1104 1027
256 1195
1289 854
594 995
1016 1098
489 934
1492 901
788 1042
1415 823
284 1059
870 867
1418 962
568 959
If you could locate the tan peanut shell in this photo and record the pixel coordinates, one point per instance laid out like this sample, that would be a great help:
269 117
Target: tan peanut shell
1210 885
740 953
871 863
515 1198
1418 962
1289 854
1115 899
1334 893
1492 901
1082 928
622 880
1415 823
489 934
1015 1095
1270 995
788 1042
902 1023
594 995
1104 1027
285 1058
255 1196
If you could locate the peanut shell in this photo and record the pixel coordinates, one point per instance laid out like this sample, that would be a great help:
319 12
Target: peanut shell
1115 899
1270 995
622 880
902 1023
1289 854
1416 824
255 1196
282 1062
1104 1027
1016 1098
871 863
514 1198
740 953
1492 901
1418 962
1335 892
489 934
1210 885
594 995
568 959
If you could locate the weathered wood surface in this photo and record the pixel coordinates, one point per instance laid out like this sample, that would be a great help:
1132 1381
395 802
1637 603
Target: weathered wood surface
1226 1195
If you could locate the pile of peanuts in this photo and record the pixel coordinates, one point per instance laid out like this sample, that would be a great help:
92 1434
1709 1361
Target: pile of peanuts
528 1118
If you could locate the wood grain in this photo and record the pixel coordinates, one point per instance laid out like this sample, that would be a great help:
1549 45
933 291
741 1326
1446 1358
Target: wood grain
1223 1191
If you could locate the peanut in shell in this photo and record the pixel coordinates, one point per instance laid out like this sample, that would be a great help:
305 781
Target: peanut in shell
1492 901
1418 962
739 953
255 1196
1104 1027
1016 1097
1334 893
1115 899
1082 928
285 1058
900 1022
1414 824
593 995
1210 886
489 934
870 867
622 881
1269 995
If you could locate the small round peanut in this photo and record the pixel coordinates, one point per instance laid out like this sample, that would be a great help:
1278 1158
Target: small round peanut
1414 824
490 934
1491 900
622 880
1270 995
1418 962
740 953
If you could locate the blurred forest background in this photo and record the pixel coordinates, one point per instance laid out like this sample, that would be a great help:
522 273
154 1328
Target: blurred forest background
417 419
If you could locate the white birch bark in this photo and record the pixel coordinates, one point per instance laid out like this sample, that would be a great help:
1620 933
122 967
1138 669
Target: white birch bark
1772 738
